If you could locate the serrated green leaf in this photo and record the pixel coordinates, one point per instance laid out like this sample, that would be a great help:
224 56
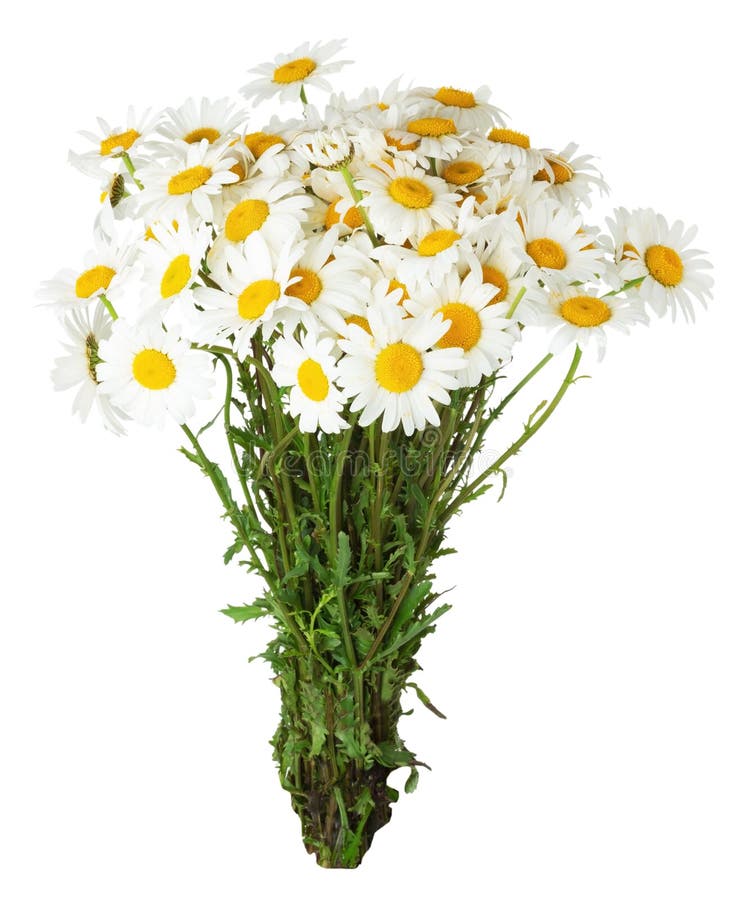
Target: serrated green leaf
409 605
244 613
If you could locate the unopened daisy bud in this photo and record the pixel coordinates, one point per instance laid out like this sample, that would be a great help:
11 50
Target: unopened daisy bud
325 149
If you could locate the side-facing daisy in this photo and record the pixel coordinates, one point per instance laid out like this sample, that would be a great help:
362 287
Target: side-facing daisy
308 368
289 73
571 178
673 272
582 317
210 120
113 140
470 110
79 367
152 374
394 372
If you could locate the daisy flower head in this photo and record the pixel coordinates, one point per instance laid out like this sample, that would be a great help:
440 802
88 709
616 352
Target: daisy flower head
478 162
327 149
584 318
152 374
308 368
404 202
288 74
514 150
339 207
427 137
571 178
556 245
508 195
253 293
193 122
78 368
470 110
674 273
396 369
187 182
476 325
111 141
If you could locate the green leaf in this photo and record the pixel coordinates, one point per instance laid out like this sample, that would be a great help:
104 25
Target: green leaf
245 612
417 630
343 560
234 548
412 781
394 757
426 701
409 606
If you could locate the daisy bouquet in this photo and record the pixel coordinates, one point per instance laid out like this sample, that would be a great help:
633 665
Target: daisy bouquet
335 298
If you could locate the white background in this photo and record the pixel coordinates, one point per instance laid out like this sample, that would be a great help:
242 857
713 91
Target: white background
593 667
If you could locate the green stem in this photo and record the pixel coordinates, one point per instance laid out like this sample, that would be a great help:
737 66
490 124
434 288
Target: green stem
131 169
515 303
521 384
109 306
357 196
303 95
635 282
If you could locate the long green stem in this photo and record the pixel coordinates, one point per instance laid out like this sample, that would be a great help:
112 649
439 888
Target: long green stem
357 196
131 169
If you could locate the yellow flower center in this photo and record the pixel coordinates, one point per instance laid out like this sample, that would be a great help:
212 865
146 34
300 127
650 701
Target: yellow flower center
432 127
245 218
627 250
664 265
295 70
352 217
398 367
411 193
361 321
437 241
395 285
465 326
450 96
312 380
255 299
508 136
120 142
492 275
547 253
461 173
153 370
585 312
400 143
189 180
176 276
201 134
93 280
563 172
308 288
258 141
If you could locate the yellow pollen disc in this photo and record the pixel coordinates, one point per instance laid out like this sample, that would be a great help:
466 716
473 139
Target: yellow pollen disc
176 276
308 288
492 275
119 142
395 285
153 370
361 321
352 217
312 380
461 173
465 326
383 106
258 141
547 253
295 70
200 134
450 96
93 280
584 311
432 127
399 143
437 241
411 193
664 265
628 249
563 172
189 180
240 170
508 136
245 218
255 299
398 367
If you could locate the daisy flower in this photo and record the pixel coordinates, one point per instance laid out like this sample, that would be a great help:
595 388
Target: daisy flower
405 202
476 325
339 206
308 368
253 293
514 150
79 367
477 162
571 178
113 140
555 243
470 110
330 287
584 318
152 374
172 258
673 272
210 120
329 149
187 181
435 138
288 74
393 372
